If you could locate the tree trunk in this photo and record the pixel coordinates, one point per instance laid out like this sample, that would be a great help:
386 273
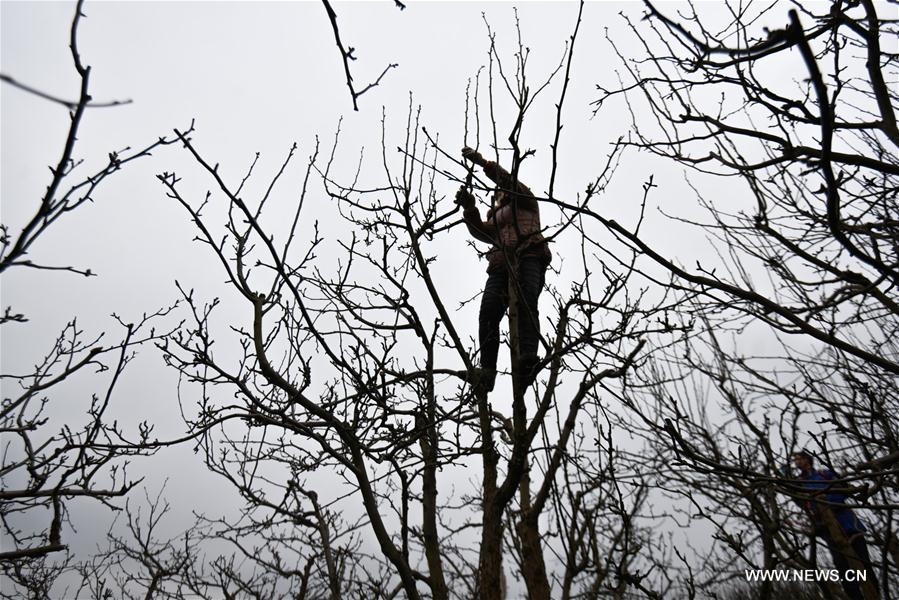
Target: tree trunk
429 449
490 562
533 566
868 589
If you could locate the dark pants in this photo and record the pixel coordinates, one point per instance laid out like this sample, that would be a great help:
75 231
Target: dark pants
495 301
860 548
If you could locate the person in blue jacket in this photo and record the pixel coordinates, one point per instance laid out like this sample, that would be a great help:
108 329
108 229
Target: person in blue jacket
834 522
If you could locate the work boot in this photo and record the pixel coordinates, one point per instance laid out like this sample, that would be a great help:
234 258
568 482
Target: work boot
483 378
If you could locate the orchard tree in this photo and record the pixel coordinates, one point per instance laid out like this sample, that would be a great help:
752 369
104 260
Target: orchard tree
792 112
350 413
46 462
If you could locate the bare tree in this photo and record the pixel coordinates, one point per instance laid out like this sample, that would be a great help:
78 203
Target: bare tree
46 461
353 388
344 403
810 261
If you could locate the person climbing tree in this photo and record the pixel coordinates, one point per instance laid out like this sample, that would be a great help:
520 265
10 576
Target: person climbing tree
513 229
838 526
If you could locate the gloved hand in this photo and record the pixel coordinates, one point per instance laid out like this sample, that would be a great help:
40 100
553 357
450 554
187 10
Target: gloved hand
463 198
473 155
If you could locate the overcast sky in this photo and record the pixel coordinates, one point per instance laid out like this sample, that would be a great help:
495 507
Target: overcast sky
259 77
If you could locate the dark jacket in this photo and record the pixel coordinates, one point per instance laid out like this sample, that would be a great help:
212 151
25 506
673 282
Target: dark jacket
829 496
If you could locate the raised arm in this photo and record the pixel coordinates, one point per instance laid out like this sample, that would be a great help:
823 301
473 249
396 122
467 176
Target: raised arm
476 227
521 194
